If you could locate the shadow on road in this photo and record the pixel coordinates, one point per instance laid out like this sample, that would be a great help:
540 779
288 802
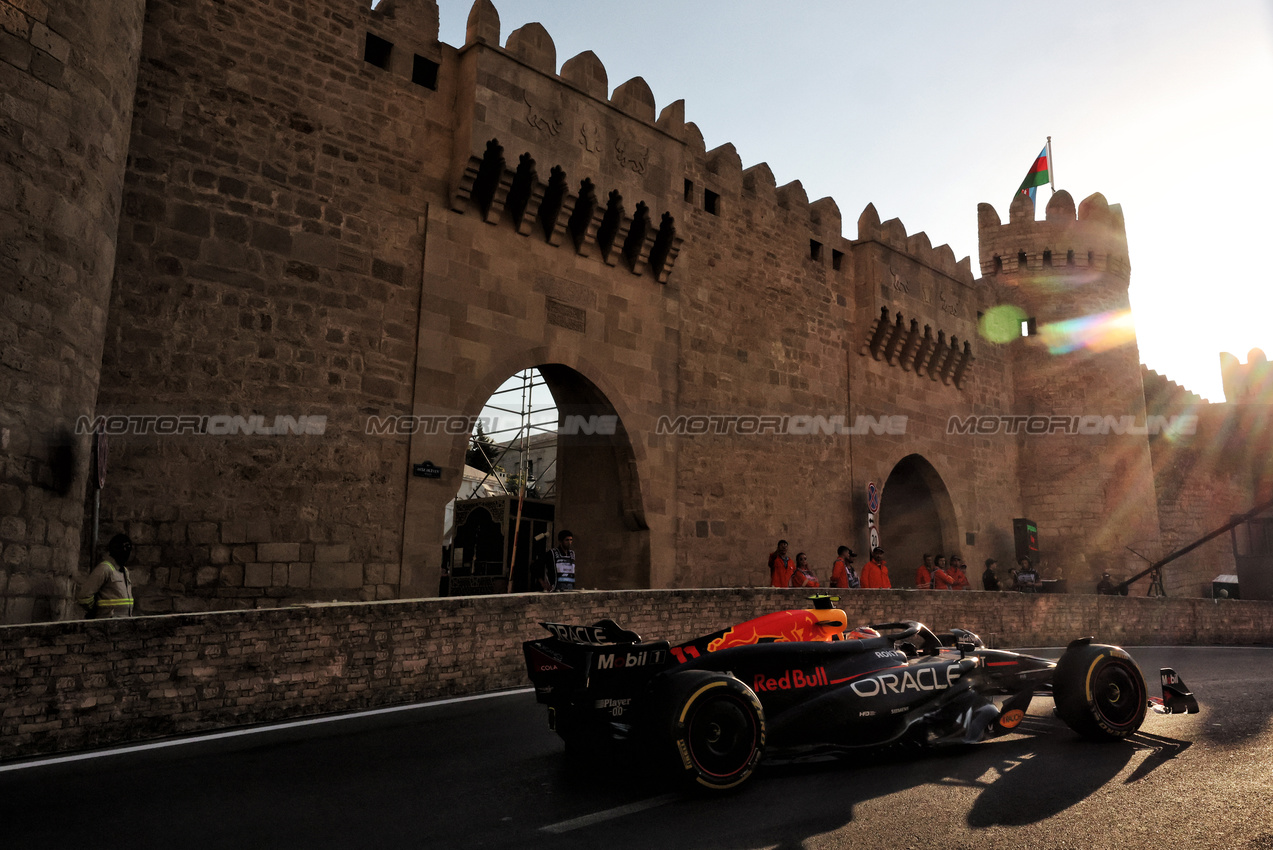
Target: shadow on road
1018 781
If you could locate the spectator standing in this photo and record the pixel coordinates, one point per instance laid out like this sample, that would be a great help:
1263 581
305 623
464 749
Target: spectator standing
990 579
924 575
942 578
803 576
1105 587
107 593
875 573
781 566
842 572
563 561
1027 578
959 572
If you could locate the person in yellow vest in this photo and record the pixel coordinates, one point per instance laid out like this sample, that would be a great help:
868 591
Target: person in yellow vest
108 591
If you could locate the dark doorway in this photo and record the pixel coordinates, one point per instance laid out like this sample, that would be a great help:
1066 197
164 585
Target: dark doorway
916 518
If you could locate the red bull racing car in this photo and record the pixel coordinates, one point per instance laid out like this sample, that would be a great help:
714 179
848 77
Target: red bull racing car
800 682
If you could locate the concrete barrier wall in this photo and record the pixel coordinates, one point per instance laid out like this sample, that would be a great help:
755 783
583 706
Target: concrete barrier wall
86 684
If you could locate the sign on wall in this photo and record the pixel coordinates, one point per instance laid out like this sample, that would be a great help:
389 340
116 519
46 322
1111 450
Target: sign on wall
872 510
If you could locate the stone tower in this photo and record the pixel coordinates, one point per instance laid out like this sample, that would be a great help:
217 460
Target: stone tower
68 72
1086 473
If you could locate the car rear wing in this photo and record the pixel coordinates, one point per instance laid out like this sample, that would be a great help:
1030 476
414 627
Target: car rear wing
581 657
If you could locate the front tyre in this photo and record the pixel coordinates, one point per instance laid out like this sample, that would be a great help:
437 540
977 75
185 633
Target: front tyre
718 729
1100 692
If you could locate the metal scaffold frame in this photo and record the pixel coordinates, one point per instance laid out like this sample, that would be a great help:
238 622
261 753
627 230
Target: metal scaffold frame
530 421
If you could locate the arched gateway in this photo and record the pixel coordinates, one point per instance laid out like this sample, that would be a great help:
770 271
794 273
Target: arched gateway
916 517
596 495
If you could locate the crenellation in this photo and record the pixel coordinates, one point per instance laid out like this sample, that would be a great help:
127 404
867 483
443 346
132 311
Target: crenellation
825 215
918 244
986 217
1095 208
759 181
483 24
792 196
533 45
635 99
725 162
672 118
1060 208
586 72
893 234
693 137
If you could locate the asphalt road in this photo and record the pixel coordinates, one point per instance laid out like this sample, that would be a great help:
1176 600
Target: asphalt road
487 773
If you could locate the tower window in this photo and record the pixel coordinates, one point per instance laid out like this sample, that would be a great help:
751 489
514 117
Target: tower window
689 191
837 259
1069 258
377 51
1028 327
1047 259
424 72
815 250
998 263
711 202
1021 260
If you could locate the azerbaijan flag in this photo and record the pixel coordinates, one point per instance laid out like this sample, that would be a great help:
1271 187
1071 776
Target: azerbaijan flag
1039 175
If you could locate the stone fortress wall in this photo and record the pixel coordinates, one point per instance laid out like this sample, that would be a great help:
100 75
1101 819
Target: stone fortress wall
329 214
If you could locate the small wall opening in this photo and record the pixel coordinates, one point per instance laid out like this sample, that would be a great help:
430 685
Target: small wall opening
711 202
377 51
424 72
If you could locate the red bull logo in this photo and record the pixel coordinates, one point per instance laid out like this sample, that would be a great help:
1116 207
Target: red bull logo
790 680
782 626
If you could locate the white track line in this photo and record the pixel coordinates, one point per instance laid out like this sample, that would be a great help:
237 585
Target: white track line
608 814
255 730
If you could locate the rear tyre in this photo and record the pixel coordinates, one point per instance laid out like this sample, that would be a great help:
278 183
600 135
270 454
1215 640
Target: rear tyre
718 729
1100 692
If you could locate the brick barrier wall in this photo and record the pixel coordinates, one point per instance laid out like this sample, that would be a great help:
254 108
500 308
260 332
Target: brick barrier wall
85 684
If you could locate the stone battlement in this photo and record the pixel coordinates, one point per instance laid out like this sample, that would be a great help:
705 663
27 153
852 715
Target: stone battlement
618 150
1162 393
1094 238
917 246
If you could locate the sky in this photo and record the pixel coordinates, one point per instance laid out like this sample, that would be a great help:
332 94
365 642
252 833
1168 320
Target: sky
927 108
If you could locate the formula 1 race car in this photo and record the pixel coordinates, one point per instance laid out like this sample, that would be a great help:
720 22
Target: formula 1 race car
800 682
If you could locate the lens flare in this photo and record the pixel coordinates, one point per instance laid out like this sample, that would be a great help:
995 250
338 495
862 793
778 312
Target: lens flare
1096 333
1002 323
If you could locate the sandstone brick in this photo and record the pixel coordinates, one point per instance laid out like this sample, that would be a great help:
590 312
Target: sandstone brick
278 551
258 575
336 552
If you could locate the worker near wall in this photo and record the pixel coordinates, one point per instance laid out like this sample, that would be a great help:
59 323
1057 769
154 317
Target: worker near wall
875 573
781 567
108 591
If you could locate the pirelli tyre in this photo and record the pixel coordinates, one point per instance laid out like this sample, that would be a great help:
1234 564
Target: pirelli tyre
717 728
1099 692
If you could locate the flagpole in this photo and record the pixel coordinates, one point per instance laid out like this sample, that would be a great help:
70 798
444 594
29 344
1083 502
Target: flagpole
1051 167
